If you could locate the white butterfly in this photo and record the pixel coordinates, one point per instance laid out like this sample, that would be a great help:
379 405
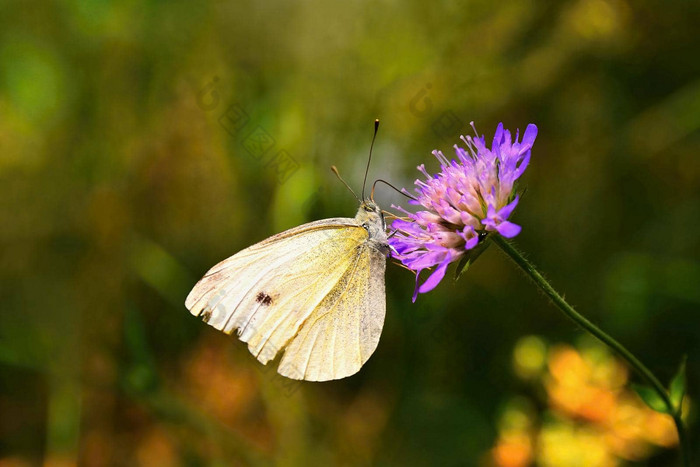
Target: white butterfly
315 292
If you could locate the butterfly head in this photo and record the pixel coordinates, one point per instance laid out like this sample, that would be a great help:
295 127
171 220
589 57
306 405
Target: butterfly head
371 217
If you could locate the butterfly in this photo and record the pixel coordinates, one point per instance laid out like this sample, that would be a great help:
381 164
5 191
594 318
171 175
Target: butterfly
314 292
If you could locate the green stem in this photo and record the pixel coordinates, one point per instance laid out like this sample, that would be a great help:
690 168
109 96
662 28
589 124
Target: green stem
569 311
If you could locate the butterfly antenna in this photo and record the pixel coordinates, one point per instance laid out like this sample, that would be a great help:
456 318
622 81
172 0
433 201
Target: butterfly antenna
369 159
402 192
337 174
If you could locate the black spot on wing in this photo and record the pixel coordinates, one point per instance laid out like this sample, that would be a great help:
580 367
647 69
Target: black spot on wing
263 299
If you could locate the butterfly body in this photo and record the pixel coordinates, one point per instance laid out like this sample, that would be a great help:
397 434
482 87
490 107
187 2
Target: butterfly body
315 292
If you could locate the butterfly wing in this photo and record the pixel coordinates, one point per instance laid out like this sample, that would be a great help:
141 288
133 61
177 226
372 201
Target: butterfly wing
314 281
343 331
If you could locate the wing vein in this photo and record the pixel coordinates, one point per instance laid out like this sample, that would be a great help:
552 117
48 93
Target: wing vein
308 358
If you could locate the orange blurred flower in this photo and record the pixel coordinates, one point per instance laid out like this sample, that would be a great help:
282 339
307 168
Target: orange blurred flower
595 419
514 449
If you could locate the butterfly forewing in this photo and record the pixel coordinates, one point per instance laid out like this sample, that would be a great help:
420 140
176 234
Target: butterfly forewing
243 270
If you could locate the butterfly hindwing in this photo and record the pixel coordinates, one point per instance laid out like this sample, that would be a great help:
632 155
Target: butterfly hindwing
343 331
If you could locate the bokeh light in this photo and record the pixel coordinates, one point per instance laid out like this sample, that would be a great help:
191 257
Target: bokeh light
590 416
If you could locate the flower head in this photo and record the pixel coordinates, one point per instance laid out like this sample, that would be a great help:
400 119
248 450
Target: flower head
469 198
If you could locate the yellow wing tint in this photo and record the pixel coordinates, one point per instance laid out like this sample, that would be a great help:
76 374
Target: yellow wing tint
272 291
343 331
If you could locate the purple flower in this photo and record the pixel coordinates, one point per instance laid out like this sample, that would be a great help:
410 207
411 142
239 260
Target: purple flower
469 198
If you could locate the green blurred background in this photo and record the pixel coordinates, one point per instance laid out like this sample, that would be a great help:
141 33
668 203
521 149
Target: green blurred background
142 142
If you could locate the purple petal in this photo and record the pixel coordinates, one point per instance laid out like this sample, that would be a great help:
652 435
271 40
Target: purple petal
461 153
480 144
471 243
468 219
506 210
490 213
427 259
415 291
470 236
401 224
402 248
508 229
523 165
507 138
435 278
529 136
497 137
